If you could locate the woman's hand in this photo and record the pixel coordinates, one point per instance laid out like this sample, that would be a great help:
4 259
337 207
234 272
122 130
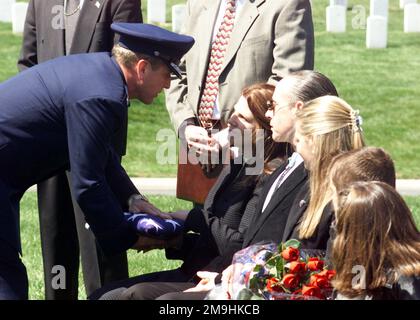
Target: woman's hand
227 278
181 214
207 282
199 141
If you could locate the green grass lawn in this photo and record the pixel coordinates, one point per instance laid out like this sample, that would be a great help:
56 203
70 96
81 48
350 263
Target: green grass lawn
383 84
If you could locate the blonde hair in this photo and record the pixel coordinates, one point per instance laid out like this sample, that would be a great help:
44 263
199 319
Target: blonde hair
376 230
129 58
334 127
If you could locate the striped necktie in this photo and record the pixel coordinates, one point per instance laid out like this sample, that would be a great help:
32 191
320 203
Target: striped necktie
217 54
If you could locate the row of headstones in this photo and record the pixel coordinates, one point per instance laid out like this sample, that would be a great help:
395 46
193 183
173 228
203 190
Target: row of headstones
377 22
15 12
156 13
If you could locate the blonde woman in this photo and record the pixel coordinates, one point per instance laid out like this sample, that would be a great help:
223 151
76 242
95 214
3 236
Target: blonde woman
378 238
325 127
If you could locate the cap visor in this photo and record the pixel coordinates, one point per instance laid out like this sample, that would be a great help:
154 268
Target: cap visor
175 69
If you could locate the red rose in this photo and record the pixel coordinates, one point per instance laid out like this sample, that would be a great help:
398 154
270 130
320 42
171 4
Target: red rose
273 284
329 274
290 254
319 281
315 264
297 267
290 281
311 291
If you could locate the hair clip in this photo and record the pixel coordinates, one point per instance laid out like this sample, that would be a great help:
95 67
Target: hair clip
358 120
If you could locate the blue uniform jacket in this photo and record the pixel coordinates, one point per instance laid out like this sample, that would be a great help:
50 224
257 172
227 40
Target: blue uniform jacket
60 115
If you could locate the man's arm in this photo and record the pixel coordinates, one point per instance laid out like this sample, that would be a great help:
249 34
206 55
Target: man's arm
28 55
120 183
90 124
294 41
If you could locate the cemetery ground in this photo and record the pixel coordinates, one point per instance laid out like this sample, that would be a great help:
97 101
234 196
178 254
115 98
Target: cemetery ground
383 84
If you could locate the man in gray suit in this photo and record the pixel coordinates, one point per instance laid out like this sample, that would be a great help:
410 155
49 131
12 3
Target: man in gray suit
270 39
238 43
55 28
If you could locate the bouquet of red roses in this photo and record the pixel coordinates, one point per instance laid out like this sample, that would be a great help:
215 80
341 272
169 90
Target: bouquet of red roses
273 272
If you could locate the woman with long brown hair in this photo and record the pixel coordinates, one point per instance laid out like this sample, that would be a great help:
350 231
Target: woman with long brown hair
376 251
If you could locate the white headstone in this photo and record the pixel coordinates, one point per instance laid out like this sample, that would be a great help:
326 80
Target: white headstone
6 10
18 16
336 19
338 3
156 11
404 2
379 8
412 18
179 12
376 32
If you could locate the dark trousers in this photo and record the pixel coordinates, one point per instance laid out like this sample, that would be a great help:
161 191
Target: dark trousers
156 291
112 291
13 278
65 236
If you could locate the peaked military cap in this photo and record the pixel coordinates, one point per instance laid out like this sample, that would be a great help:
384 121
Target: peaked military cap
155 42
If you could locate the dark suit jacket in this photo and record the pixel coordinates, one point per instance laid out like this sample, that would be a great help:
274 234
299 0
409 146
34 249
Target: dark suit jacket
217 224
322 234
65 119
267 225
270 224
42 42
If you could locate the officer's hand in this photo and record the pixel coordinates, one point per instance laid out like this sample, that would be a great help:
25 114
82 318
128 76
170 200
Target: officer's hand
140 205
207 282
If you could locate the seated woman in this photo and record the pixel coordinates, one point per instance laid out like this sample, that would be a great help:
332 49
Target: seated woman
376 252
230 202
325 127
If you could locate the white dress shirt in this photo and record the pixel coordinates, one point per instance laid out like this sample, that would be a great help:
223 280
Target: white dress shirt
294 161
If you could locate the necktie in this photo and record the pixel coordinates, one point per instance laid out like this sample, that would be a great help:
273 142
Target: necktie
71 16
282 175
217 54
290 165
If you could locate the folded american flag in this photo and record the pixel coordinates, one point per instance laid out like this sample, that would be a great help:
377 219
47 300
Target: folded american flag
153 226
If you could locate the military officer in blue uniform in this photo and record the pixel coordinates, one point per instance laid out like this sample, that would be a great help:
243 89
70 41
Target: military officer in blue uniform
62 114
